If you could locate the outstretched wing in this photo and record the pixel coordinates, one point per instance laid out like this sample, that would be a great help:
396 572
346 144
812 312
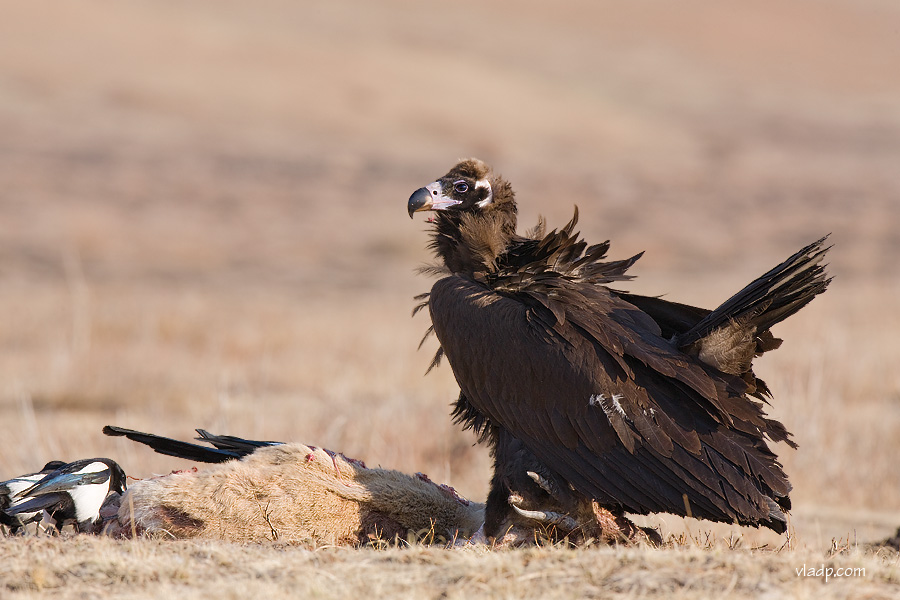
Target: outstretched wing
586 381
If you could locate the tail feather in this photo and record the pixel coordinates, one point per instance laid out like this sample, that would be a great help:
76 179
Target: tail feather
229 442
771 298
187 450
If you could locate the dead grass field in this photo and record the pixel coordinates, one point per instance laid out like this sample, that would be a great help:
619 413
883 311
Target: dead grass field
202 224
99 568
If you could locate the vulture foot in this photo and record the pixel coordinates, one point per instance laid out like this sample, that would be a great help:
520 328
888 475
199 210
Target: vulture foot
589 521
548 518
541 481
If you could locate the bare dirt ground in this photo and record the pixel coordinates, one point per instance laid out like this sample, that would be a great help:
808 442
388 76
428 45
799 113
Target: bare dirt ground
202 224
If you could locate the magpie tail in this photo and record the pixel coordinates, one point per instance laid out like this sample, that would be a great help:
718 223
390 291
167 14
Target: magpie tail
225 447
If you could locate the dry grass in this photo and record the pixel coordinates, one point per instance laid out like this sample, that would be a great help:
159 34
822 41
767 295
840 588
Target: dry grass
203 226
91 567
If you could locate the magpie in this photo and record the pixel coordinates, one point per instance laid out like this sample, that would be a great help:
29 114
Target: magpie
71 494
11 487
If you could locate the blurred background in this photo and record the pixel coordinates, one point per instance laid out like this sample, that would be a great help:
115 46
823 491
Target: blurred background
203 212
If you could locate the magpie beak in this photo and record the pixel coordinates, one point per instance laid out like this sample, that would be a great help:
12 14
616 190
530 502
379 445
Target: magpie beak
72 493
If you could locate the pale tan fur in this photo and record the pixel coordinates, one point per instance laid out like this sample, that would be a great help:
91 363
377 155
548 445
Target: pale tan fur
295 493
292 493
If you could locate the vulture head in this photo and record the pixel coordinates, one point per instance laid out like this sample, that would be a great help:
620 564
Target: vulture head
474 215
467 187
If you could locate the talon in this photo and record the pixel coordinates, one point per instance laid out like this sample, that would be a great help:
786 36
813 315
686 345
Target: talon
548 517
543 483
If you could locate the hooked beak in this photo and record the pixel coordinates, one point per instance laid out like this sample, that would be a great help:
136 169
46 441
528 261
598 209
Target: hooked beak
429 197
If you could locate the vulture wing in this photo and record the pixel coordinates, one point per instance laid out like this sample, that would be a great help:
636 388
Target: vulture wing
584 378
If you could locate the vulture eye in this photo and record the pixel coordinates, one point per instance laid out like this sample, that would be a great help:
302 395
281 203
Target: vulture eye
461 187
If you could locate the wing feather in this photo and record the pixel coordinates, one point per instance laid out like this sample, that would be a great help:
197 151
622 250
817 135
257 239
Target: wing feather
591 388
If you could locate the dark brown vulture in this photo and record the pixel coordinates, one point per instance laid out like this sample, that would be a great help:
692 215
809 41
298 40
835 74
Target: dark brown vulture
589 394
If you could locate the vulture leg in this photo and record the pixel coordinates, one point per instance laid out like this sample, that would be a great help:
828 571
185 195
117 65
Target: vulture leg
521 482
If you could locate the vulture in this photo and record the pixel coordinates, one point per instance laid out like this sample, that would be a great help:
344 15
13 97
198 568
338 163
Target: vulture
591 396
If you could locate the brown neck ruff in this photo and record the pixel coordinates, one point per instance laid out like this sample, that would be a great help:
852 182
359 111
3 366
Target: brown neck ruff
472 241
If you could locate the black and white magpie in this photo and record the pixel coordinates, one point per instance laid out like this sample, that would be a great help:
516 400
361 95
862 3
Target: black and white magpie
11 487
71 494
